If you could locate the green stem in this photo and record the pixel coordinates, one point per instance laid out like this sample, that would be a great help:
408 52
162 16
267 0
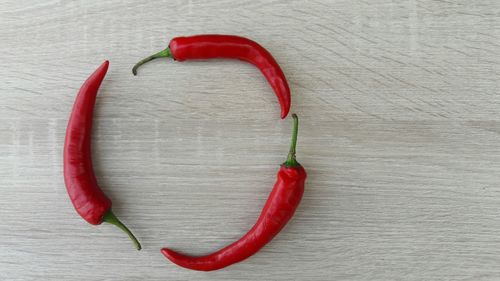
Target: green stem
163 54
109 217
291 161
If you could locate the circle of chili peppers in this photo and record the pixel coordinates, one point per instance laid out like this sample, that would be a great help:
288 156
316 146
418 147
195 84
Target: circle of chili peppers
95 207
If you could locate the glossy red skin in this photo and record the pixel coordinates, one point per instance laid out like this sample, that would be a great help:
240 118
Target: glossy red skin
278 210
85 194
210 46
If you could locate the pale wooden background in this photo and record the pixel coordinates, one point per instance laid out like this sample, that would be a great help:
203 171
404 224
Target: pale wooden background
400 124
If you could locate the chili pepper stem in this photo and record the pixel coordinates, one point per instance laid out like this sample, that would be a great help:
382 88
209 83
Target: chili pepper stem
291 161
109 217
162 54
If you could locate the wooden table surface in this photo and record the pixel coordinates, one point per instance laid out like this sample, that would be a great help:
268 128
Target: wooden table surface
400 132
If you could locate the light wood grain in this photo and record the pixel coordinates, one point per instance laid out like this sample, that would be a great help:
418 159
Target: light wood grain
400 124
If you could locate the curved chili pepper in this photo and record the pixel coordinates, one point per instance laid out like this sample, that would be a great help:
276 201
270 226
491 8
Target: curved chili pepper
279 208
210 46
85 194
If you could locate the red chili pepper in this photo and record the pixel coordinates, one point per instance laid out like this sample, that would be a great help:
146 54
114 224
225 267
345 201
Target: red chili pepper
85 194
212 46
280 207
